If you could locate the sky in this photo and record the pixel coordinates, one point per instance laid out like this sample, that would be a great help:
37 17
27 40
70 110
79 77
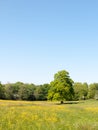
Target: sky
38 38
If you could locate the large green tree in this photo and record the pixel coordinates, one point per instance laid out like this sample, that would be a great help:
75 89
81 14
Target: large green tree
61 88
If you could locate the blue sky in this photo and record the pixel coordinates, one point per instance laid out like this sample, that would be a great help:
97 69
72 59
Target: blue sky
40 37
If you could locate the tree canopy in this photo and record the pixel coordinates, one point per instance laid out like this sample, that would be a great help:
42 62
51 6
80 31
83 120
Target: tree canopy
81 90
61 87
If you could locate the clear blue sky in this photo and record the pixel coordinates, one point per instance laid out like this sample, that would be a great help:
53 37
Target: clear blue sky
40 37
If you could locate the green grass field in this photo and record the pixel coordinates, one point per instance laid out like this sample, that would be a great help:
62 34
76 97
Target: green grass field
24 115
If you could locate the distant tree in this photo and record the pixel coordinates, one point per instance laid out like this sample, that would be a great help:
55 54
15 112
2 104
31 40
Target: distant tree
85 89
2 91
11 90
81 90
93 91
62 87
41 92
26 92
45 88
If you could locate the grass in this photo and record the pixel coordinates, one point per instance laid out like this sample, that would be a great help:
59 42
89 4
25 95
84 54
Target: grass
25 115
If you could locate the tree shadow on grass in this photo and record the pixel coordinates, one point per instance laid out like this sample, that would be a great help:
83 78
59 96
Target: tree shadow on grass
69 102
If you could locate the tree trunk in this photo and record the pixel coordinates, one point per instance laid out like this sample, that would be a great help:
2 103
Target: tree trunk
62 102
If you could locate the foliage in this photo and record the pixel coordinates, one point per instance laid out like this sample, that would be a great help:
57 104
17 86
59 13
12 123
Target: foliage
23 91
26 92
62 87
11 90
2 91
41 92
93 91
81 90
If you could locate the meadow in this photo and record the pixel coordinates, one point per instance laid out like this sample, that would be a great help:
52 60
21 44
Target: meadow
44 115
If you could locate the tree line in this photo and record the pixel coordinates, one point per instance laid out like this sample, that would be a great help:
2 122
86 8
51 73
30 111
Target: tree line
61 88
23 91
